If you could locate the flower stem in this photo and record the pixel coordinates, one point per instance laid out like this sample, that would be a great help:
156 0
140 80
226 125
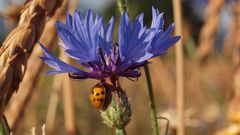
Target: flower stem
152 103
120 131
122 6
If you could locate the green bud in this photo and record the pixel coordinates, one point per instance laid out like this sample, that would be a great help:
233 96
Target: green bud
118 113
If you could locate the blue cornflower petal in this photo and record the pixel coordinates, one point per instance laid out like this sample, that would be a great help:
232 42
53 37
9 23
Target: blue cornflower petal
162 41
138 43
71 44
133 38
69 21
81 34
162 47
58 65
86 39
109 30
157 19
106 36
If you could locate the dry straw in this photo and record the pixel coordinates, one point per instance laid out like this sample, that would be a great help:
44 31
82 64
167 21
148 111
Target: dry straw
34 67
53 103
236 51
209 30
68 101
18 46
179 67
67 90
234 107
67 93
232 43
231 38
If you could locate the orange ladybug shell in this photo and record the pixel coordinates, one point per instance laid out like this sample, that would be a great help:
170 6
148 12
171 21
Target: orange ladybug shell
97 96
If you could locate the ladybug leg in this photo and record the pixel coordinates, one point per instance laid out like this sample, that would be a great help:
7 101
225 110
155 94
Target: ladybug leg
102 59
74 76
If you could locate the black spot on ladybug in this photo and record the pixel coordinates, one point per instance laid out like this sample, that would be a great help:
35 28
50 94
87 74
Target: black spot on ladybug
97 99
102 92
97 94
92 92
94 100
101 99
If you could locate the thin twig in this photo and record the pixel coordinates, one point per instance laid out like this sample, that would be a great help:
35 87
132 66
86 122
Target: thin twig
167 127
179 67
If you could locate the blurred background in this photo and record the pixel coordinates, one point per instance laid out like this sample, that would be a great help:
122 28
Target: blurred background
211 32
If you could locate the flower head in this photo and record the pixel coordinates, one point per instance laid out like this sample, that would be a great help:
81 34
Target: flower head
87 40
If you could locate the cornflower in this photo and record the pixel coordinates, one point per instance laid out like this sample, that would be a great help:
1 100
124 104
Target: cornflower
90 43
87 40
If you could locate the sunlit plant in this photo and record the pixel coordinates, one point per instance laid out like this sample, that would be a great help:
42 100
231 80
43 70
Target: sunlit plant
87 40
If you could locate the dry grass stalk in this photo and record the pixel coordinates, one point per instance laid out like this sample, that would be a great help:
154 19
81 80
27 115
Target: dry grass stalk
68 96
234 106
62 82
34 67
209 30
179 67
68 102
18 46
33 130
236 52
230 39
43 129
234 110
53 102
67 91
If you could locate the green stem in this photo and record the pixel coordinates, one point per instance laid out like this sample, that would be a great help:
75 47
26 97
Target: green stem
152 103
120 131
122 6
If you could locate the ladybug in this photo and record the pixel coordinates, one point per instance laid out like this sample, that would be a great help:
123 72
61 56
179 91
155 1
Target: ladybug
98 95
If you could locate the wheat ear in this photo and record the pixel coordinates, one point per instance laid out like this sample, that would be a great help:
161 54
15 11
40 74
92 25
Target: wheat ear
18 46
48 38
209 30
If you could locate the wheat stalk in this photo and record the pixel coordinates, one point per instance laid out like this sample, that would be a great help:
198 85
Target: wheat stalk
236 49
234 107
209 30
233 114
68 101
18 46
67 92
53 103
230 39
177 10
17 106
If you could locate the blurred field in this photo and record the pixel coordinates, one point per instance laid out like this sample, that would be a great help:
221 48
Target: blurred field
207 103
209 76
